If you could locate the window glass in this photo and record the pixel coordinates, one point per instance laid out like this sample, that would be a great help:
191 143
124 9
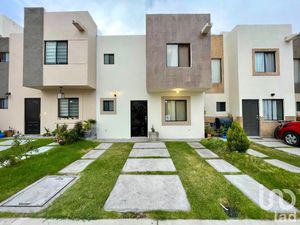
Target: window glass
175 110
273 109
4 56
3 103
178 55
172 55
56 52
216 71
108 105
221 106
62 52
265 62
297 70
68 108
298 106
109 59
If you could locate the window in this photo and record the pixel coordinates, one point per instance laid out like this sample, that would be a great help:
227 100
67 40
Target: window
175 110
216 71
298 106
56 52
273 109
221 106
4 56
108 105
3 103
178 55
297 70
266 61
68 108
109 58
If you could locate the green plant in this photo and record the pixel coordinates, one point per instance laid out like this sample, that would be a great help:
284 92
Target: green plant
152 129
210 130
222 130
47 132
237 139
87 124
78 129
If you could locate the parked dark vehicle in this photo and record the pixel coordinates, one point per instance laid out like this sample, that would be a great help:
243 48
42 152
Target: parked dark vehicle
289 132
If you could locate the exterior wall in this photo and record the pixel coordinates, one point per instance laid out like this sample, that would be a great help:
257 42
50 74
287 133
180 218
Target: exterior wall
33 47
81 68
14 115
7 26
296 55
181 28
127 78
4 47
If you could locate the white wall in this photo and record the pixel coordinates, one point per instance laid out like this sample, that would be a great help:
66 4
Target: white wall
8 26
128 77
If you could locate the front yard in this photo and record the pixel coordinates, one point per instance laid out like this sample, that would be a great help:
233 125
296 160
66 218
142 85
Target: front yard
206 189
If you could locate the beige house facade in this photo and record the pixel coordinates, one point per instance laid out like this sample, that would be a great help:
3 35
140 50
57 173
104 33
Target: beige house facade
175 79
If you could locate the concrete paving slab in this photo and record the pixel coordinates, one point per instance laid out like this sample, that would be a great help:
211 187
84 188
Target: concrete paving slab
150 145
138 193
104 146
2 148
294 151
260 195
36 196
76 167
53 144
283 165
11 141
40 150
154 152
222 166
256 153
195 145
93 154
272 144
148 165
205 153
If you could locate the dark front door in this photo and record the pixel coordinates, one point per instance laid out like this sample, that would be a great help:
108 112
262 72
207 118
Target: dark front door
251 117
32 115
139 120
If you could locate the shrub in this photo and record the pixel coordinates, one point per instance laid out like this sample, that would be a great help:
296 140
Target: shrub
65 136
237 139
214 143
78 129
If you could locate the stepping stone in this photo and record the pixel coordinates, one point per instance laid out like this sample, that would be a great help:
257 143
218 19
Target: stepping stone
150 145
283 165
76 167
222 166
104 146
53 144
259 194
205 153
2 148
93 154
146 165
139 193
294 151
256 153
272 144
39 150
10 142
38 195
149 153
195 145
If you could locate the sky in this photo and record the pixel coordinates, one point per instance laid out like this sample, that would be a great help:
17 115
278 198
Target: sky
125 17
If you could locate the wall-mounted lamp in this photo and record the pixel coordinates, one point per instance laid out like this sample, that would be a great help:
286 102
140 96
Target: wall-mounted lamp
60 94
115 93
7 94
177 90
272 94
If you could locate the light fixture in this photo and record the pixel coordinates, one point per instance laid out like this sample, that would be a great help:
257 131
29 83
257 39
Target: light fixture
7 94
292 37
115 93
78 25
60 94
177 90
206 29
272 94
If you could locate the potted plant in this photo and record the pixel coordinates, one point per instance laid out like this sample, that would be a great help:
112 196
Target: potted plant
89 128
209 131
10 132
153 135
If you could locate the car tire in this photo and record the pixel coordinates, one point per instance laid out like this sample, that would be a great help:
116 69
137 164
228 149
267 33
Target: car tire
276 132
291 138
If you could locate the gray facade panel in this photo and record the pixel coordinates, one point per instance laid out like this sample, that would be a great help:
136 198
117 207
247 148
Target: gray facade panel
296 48
181 28
4 68
33 47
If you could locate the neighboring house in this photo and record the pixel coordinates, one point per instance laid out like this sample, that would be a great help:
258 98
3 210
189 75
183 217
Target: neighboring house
175 78
57 49
258 79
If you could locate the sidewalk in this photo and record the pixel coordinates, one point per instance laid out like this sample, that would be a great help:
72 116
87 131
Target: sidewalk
31 221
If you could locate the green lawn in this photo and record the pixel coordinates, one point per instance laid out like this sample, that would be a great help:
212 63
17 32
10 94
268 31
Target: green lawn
270 176
17 177
204 186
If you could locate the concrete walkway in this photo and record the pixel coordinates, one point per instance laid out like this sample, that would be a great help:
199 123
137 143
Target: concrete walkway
31 221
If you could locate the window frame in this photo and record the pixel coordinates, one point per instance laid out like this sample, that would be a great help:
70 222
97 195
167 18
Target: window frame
188 111
68 117
263 102
178 58
297 104
277 61
220 107
6 53
4 106
102 100
45 42
109 55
